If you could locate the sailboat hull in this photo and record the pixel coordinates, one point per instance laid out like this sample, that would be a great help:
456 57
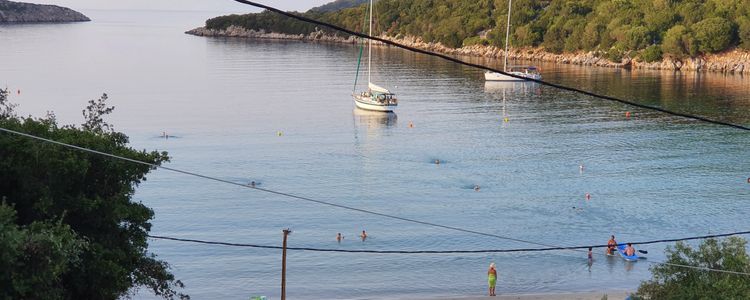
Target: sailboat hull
366 103
493 76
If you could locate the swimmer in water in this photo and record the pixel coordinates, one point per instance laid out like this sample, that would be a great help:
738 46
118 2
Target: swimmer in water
581 167
437 161
591 256
339 237
476 187
611 245
363 236
252 184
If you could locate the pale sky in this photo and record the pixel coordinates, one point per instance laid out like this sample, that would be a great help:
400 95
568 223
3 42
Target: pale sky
194 5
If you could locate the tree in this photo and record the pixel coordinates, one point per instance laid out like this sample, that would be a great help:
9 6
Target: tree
62 195
679 42
714 34
6 107
671 281
34 257
744 32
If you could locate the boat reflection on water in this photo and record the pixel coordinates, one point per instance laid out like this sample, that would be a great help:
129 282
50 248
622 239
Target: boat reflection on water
375 119
521 87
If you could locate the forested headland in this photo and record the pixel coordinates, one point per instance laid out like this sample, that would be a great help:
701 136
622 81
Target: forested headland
645 30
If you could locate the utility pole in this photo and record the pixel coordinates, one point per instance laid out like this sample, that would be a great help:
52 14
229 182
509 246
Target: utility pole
283 265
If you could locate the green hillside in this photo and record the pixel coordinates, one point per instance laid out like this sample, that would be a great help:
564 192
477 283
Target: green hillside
338 5
650 28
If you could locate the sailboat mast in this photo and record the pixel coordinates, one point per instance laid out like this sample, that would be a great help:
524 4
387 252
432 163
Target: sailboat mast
507 34
369 50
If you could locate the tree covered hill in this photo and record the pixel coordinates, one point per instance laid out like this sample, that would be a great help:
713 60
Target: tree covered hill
651 28
338 5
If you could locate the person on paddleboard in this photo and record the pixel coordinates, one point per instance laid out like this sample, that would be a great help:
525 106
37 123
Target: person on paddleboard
611 245
629 250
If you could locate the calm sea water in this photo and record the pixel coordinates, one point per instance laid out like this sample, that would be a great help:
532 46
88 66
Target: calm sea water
651 176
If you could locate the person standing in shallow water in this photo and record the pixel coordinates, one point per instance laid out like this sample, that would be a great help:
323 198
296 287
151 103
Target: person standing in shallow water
492 279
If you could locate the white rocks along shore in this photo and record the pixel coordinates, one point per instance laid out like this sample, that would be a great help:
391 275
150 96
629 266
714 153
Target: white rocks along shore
732 61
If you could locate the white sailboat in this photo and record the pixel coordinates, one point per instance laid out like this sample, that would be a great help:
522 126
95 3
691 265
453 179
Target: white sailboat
530 72
376 98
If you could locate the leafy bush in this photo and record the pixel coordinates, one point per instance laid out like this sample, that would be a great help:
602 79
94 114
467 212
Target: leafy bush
70 229
474 40
651 53
714 34
679 42
614 54
671 281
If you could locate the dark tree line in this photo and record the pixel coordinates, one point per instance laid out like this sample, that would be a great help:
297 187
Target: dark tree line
645 28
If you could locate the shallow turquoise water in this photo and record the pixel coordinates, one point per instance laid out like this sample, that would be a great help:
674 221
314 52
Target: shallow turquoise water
651 176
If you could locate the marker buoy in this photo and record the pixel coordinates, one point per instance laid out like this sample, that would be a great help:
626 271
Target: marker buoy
588 196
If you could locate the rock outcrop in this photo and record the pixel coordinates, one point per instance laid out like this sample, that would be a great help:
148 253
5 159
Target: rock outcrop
19 12
733 61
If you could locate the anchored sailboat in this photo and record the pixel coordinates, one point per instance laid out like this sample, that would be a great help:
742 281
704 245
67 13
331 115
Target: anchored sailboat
376 98
530 72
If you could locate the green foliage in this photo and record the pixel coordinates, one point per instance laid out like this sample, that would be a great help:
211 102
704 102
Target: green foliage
670 281
63 197
6 107
338 5
679 42
714 34
615 54
34 257
651 53
474 40
743 32
558 26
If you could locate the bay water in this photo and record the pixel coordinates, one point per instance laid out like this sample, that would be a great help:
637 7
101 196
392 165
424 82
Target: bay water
280 113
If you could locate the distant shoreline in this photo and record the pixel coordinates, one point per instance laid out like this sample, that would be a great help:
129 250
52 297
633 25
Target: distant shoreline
29 13
728 62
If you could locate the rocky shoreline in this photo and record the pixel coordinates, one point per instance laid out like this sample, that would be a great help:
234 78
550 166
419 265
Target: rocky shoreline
19 12
733 61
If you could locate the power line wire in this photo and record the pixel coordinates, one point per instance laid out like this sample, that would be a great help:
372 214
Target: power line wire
458 61
289 195
440 251
305 199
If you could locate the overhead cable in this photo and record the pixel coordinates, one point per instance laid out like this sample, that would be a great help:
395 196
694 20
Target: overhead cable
458 61
288 195
440 251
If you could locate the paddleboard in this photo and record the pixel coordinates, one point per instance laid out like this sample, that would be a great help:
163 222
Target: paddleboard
621 250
